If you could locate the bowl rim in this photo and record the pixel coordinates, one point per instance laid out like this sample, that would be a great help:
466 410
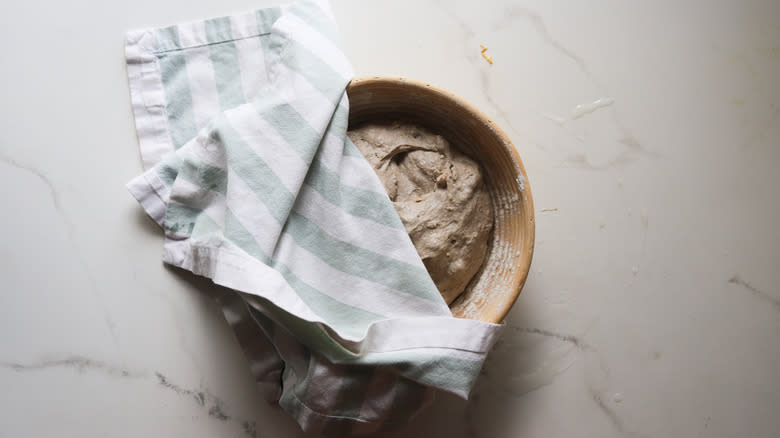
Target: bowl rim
496 316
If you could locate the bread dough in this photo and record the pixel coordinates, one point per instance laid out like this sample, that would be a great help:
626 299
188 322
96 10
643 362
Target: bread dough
439 194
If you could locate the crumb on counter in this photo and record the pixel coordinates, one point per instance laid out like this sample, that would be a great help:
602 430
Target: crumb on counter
487 58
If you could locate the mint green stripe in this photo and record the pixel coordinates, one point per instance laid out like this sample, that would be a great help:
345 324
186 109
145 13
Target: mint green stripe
204 226
218 30
224 58
184 219
350 319
296 131
167 38
351 150
205 176
361 262
339 121
178 98
168 169
180 218
266 17
312 14
317 72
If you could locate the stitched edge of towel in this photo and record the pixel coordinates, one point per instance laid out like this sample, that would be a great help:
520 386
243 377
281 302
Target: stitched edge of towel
147 94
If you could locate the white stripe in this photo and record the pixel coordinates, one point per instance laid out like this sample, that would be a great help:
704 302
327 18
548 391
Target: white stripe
294 28
355 230
269 145
191 34
205 150
151 193
309 102
445 353
200 71
243 25
251 59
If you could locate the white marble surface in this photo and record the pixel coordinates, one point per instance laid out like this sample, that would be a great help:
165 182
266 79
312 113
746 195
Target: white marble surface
653 304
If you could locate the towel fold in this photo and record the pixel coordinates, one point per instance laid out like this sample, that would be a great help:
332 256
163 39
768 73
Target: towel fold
242 126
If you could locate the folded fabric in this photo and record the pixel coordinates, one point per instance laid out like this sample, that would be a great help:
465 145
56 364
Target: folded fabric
242 126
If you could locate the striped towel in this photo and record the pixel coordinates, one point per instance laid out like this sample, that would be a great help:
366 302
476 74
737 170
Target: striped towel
242 125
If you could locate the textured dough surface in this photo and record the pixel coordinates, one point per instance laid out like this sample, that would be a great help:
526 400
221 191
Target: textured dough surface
439 194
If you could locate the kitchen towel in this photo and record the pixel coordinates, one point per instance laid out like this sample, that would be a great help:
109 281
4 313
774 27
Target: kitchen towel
242 126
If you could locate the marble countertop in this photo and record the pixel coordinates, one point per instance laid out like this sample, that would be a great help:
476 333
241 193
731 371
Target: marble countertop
651 136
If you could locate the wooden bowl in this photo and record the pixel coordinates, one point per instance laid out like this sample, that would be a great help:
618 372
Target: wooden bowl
494 289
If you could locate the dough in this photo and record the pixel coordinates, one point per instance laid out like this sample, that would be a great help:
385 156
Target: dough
439 194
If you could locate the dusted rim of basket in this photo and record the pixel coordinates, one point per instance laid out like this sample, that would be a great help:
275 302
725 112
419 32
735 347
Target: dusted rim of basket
505 270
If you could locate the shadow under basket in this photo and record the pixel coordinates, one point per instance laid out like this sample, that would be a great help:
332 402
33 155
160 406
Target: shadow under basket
494 289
